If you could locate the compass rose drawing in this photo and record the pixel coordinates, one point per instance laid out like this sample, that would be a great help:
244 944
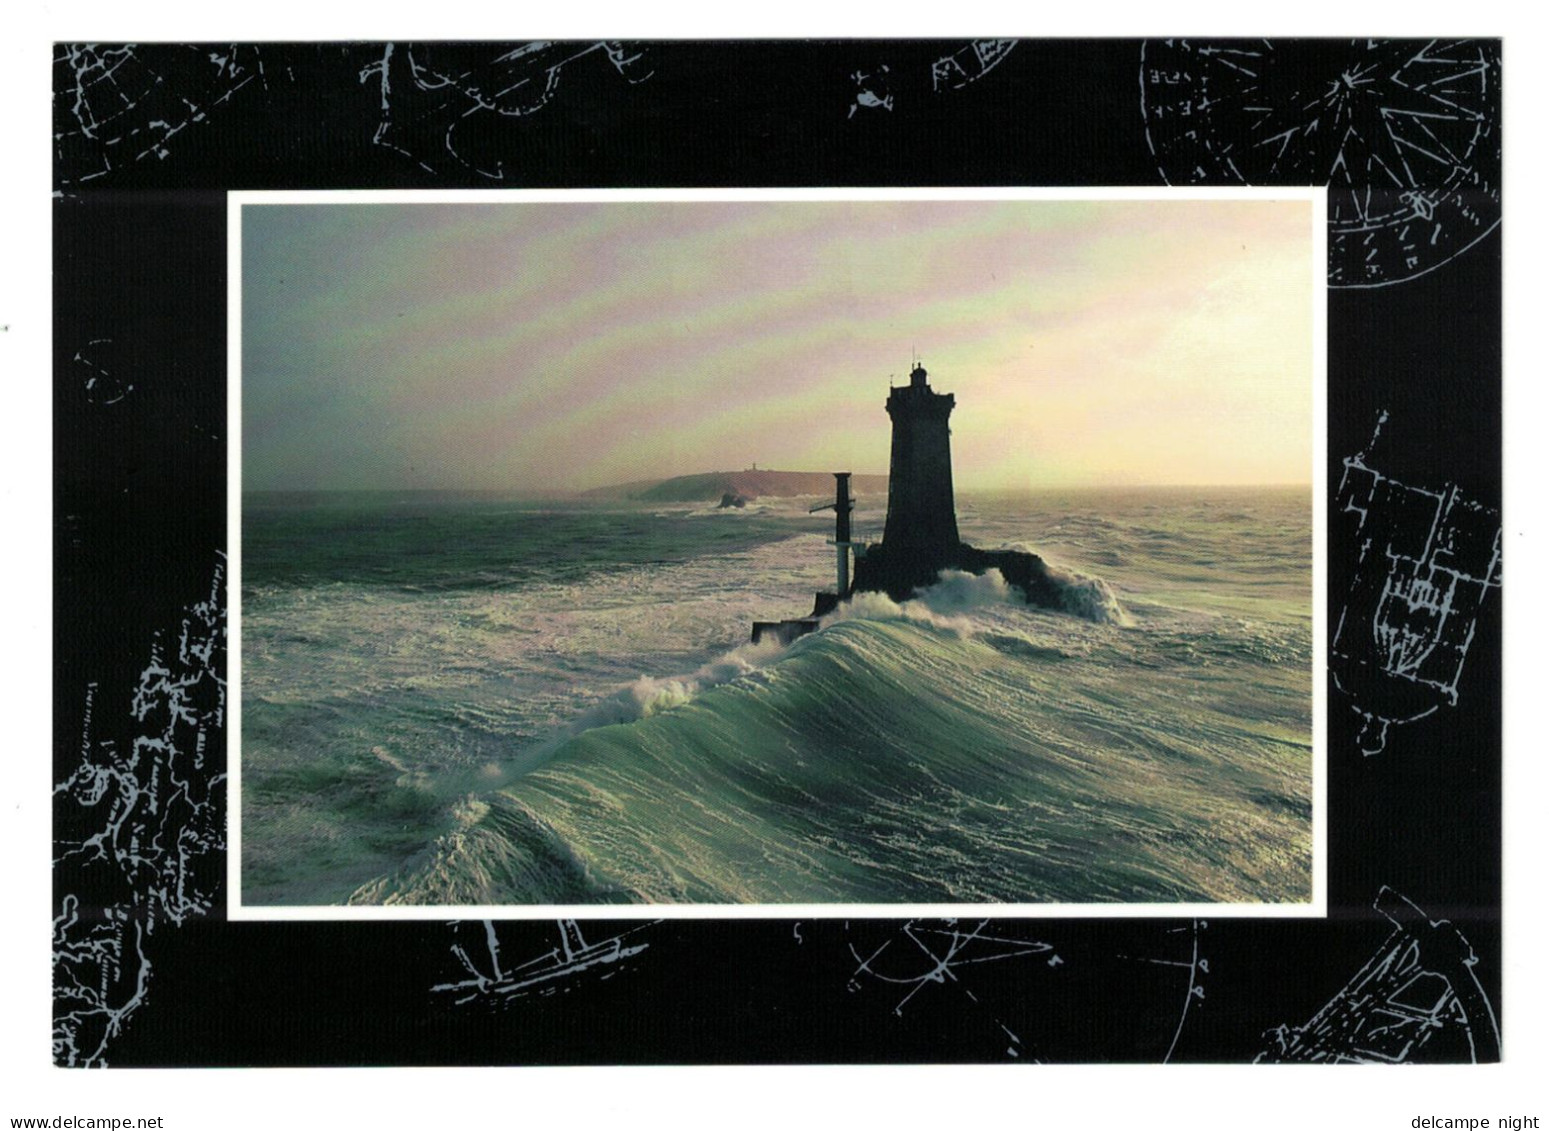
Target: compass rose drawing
1405 134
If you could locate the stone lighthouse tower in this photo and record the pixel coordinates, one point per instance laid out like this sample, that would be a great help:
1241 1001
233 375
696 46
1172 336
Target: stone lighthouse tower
921 517
920 539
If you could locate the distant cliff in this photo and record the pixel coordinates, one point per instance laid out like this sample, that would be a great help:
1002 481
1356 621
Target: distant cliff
714 486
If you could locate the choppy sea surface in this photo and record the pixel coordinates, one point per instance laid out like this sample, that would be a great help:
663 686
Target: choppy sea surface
457 699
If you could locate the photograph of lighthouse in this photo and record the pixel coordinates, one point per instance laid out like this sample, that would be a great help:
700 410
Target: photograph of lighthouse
703 550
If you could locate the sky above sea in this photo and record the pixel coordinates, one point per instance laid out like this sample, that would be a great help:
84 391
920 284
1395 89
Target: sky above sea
543 347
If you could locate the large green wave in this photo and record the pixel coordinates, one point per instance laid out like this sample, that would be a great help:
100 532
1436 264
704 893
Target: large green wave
904 759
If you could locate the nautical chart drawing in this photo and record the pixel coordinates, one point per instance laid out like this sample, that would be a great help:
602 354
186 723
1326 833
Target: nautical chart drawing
1427 561
494 979
933 951
886 86
443 103
103 385
141 828
939 952
969 63
1190 961
873 90
1417 998
116 105
1406 134
1121 985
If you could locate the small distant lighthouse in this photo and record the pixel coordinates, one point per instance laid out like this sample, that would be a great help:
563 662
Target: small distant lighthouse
921 516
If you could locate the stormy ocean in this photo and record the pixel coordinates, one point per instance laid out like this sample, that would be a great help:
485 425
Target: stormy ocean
469 699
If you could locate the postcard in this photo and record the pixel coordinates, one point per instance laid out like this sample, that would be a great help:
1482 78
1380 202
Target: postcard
803 552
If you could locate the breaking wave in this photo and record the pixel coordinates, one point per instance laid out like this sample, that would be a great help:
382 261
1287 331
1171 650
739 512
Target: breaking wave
900 754
494 741
1088 597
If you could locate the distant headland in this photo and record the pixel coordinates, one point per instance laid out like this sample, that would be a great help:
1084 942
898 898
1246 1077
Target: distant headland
712 486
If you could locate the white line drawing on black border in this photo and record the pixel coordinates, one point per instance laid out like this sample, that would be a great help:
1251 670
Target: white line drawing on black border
1420 986
102 385
909 959
428 90
1427 561
493 978
1406 134
925 952
115 105
153 817
969 63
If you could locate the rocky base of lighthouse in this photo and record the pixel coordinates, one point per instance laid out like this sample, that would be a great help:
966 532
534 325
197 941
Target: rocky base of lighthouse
883 569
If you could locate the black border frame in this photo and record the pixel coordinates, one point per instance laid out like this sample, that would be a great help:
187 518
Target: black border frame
139 514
